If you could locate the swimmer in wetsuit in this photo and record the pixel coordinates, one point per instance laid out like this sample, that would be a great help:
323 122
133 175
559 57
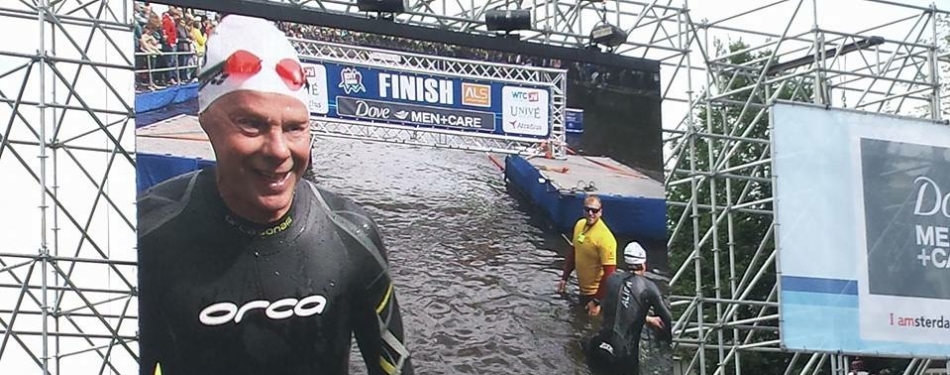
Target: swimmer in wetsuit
629 296
245 268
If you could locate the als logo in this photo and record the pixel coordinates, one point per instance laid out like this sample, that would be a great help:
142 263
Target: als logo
351 80
477 95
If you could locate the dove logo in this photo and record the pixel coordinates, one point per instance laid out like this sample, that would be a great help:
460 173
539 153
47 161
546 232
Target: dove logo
367 109
401 114
937 202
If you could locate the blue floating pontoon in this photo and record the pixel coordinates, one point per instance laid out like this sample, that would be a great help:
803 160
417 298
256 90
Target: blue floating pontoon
634 204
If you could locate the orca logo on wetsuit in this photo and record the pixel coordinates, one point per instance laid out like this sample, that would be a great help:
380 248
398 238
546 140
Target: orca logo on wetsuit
225 312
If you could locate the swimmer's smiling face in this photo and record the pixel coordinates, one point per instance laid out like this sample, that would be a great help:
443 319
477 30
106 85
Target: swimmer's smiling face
262 145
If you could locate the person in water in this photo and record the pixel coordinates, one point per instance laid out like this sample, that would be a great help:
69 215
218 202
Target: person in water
593 254
245 268
629 296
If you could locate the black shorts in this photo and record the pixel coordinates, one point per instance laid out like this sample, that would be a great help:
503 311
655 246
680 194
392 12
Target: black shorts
602 364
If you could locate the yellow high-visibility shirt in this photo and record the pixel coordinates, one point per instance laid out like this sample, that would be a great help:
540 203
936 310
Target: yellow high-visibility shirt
593 248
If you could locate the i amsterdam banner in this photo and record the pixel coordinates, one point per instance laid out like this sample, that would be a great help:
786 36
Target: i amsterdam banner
907 213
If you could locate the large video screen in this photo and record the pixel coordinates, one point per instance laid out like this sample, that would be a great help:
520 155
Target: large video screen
863 217
267 247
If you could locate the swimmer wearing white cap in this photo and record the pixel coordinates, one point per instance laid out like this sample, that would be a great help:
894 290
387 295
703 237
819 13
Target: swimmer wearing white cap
245 268
253 106
629 297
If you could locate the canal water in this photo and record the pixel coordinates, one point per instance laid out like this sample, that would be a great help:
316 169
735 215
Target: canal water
475 266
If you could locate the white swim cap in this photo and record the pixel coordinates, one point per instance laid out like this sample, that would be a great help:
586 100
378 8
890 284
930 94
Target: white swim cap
247 53
634 254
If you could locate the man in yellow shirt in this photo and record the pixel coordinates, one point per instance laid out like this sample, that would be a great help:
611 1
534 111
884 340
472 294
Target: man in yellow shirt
594 255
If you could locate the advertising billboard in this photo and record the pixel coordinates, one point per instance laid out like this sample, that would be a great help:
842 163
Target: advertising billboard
379 95
862 214
389 258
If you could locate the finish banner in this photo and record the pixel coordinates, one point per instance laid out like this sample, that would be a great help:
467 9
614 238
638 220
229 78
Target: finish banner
386 96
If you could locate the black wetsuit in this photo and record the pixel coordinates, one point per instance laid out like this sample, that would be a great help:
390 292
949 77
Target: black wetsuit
219 295
628 299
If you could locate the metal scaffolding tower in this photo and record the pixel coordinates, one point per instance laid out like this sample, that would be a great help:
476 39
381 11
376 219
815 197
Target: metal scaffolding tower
719 176
67 247
67 241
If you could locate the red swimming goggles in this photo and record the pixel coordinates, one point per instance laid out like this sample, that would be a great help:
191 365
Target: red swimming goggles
244 63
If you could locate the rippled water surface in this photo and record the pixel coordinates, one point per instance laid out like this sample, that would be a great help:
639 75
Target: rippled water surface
474 269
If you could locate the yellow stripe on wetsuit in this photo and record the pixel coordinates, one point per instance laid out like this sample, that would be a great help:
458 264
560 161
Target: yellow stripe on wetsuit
382 305
388 367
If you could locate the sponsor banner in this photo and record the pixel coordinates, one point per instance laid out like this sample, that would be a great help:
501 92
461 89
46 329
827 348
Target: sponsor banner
525 111
574 120
906 213
902 228
316 75
376 110
428 100
862 230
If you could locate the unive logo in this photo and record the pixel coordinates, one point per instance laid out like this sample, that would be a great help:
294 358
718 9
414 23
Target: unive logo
226 312
930 199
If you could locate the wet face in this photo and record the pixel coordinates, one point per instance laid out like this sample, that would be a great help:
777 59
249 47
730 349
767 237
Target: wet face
592 210
262 145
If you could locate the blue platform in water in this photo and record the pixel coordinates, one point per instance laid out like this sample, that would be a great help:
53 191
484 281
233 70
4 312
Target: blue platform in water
634 205
170 147
158 99
165 113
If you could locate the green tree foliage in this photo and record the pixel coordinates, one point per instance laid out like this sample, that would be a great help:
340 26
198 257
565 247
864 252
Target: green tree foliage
752 244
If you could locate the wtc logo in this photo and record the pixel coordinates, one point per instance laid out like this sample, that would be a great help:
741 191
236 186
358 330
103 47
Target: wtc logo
524 95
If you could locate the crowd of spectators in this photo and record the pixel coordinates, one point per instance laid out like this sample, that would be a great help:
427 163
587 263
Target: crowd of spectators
410 45
169 47
593 76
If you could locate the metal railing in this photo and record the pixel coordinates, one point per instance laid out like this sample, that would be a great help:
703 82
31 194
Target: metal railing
162 67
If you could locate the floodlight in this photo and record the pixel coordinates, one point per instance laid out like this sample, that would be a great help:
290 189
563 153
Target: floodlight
508 20
608 35
381 6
